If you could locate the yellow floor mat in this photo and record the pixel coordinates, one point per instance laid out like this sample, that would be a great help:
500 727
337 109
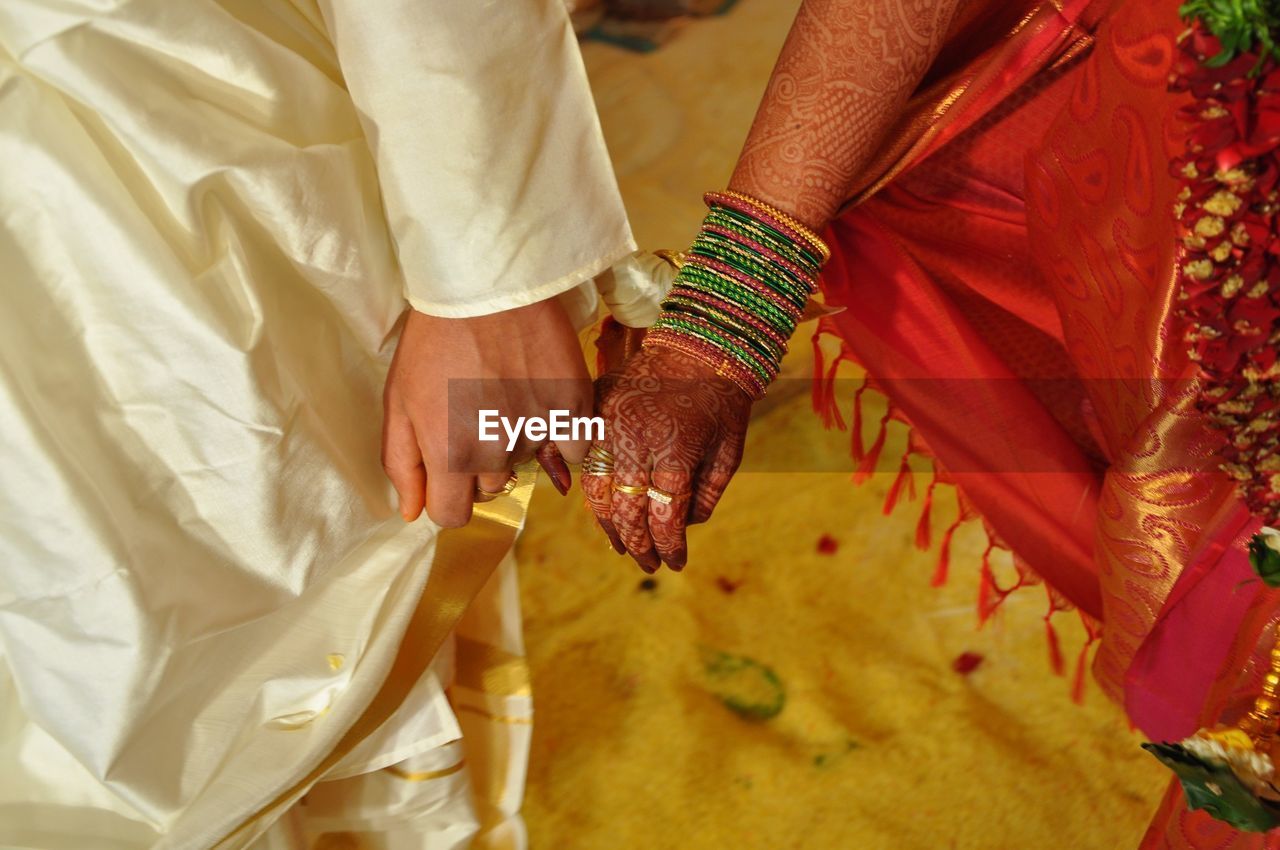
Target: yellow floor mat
880 742
883 741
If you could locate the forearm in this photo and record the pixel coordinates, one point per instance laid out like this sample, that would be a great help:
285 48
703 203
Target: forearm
845 72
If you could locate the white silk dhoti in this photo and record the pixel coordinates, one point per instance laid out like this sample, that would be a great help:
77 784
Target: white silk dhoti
203 585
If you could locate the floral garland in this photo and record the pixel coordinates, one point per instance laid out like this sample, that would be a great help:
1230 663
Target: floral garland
1229 298
1227 215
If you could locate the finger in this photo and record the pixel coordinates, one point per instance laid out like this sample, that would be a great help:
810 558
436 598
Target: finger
402 461
572 450
667 519
714 476
582 429
493 481
599 495
449 494
596 490
629 513
490 462
612 533
557 470
525 449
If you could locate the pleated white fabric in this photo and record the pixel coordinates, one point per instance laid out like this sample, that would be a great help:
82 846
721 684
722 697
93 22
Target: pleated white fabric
202 580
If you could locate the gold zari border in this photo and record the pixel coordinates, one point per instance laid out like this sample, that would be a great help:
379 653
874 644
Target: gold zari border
464 560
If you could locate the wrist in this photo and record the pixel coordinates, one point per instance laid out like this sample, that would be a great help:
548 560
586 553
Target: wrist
809 207
741 290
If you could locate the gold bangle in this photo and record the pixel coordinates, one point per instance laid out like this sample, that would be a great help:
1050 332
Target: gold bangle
797 253
726 367
809 236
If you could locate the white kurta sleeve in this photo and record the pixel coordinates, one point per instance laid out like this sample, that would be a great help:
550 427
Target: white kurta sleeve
495 178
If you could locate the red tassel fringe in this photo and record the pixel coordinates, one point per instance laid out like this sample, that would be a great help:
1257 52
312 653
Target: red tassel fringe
924 532
824 386
855 432
1094 630
944 554
872 457
904 476
1055 650
990 594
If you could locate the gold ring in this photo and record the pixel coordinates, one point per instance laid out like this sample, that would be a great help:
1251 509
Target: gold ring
598 462
599 452
482 495
662 497
631 490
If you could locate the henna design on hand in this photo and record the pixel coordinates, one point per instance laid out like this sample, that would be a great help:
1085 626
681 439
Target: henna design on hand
670 422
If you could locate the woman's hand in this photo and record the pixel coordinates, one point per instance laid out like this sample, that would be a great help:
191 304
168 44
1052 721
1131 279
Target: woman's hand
672 424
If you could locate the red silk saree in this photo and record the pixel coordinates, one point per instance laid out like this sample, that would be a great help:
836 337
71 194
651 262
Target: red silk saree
1009 274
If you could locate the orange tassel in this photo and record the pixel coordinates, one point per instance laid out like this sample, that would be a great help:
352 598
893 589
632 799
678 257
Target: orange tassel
895 491
821 402
1055 650
825 403
923 529
1077 686
834 416
872 457
989 595
855 435
944 554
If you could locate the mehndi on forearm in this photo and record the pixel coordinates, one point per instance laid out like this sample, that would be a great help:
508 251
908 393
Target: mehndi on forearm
845 72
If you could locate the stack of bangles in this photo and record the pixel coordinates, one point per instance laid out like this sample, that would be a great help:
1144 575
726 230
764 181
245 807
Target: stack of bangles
741 290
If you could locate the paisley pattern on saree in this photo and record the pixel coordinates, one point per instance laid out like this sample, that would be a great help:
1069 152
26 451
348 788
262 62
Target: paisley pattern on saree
1111 274
1086 229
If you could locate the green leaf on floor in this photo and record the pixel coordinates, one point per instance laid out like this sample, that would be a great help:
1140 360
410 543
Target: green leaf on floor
828 759
745 686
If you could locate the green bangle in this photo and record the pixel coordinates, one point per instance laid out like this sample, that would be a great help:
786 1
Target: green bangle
766 347
736 292
735 219
724 248
771 276
726 343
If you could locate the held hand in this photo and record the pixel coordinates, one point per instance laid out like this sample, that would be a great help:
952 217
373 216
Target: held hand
671 424
528 361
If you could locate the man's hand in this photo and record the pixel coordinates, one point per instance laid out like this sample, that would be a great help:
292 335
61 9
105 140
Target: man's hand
529 361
